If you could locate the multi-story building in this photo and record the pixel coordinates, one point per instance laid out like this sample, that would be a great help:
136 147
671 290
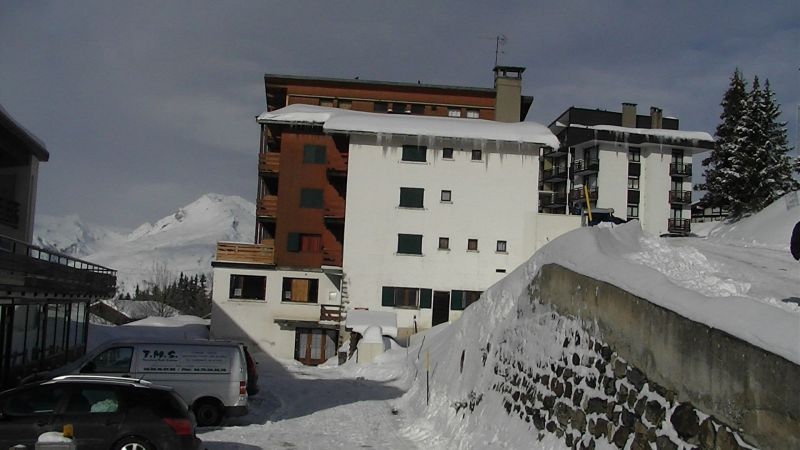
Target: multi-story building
404 211
639 166
44 296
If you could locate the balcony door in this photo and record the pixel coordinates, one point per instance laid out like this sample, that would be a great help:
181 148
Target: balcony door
314 346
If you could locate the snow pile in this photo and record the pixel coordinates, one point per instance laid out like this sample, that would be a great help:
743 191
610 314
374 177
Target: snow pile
341 120
167 328
182 242
141 309
656 132
770 228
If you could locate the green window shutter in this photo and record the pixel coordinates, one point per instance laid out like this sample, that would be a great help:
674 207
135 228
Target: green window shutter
314 154
412 197
387 296
425 296
311 198
293 242
410 244
457 300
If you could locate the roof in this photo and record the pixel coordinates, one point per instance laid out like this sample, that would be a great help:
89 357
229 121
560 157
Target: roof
273 77
334 120
26 139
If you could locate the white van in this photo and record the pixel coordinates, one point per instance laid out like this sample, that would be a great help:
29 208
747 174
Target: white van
211 376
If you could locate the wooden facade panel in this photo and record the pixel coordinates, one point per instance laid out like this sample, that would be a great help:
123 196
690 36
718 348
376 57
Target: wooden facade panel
262 253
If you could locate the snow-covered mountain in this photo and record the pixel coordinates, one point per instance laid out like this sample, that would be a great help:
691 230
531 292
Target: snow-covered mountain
181 242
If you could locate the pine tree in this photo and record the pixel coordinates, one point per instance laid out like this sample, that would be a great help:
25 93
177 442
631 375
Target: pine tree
780 166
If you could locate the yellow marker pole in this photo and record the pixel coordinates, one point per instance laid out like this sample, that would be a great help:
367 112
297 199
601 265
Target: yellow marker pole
588 205
427 377
67 431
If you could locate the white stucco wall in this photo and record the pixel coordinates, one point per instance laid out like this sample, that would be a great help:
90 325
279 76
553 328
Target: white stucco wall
612 179
655 185
253 321
491 200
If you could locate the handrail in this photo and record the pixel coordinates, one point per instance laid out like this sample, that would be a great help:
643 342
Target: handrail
11 245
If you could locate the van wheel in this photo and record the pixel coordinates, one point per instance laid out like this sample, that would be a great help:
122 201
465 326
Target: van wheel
208 413
133 443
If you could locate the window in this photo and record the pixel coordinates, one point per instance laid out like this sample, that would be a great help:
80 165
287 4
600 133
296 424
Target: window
248 287
399 108
634 154
302 290
406 297
454 112
461 299
676 214
409 244
473 114
328 102
345 104
41 399
380 107
501 246
417 109
311 198
633 212
415 153
306 243
411 197
447 153
472 245
447 196
113 360
444 243
314 154
633 182
477 155
93 400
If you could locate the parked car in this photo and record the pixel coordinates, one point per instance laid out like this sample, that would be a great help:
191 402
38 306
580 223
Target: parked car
105 413
211 376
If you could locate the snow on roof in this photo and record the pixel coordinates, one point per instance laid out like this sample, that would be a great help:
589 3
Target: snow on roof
360 320
656 132
341 120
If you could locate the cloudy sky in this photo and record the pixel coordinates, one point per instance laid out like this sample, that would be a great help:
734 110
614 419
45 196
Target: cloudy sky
146 105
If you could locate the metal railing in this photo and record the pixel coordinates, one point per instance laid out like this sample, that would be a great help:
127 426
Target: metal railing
680 169
10 245
679 225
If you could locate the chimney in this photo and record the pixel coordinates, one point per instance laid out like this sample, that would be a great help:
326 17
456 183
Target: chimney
629 115
656 116
508 93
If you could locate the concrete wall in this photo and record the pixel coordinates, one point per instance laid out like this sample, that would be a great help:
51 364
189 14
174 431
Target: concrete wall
741 385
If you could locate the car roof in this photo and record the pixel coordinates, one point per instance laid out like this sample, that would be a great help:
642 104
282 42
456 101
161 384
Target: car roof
101 379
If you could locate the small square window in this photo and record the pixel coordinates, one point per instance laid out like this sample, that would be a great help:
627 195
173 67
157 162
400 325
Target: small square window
416 153
380 107
473 114
411 197
472 245
328 102
634 154
454 112
409 244
633 182
444 243
447 153
314 154
418 109
345 104
501 247
477 155
633 212
311 198
447 196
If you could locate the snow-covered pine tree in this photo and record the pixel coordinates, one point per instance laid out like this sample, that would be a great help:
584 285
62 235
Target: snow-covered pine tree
781 166
718 173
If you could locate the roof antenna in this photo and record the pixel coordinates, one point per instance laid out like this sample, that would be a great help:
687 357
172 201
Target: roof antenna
500 39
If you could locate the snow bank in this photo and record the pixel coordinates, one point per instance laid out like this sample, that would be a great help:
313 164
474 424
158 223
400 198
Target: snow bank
769 228
140 309
167 328
341 120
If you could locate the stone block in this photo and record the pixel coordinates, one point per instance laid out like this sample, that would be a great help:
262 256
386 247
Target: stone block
685 421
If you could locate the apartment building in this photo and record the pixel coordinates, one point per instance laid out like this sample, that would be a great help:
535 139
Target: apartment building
638 165
357 180
44 296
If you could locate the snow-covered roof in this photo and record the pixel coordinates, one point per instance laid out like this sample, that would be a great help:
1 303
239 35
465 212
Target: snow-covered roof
360 320
694 136
334 120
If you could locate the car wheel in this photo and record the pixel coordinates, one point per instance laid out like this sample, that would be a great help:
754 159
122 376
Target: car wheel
133 443
208 413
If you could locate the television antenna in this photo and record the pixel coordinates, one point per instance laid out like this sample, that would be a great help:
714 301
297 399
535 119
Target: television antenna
500 40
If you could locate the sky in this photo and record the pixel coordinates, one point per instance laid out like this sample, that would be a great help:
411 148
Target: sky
145 106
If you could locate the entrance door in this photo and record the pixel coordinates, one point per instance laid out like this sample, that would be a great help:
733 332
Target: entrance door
314 346
441 307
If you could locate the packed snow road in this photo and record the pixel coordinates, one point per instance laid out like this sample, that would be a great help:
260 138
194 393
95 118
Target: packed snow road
302 407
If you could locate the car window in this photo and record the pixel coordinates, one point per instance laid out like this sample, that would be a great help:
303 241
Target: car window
113 360
41 400
91 400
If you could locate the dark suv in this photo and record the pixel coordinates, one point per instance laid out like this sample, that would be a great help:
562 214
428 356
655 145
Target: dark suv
105 413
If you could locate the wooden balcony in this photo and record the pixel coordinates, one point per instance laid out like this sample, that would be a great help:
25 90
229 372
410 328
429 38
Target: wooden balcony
267 206
330 313
337 162
332 256
334 203
263 253
585 166
680 170
680 197
679 226
9 212
269 162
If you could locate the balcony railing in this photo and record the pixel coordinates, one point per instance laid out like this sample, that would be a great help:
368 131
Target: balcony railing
40 269
269 162
263 253
680 197
334 203
576 195
331 256
680 170
337 162
551 151
553 199
584 166
9 212
555 172
330 313
681 226
267 206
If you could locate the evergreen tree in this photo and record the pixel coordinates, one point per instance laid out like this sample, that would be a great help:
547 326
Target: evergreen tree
781 166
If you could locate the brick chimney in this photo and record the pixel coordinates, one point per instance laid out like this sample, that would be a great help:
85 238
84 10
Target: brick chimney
656 116
508 93
629 115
